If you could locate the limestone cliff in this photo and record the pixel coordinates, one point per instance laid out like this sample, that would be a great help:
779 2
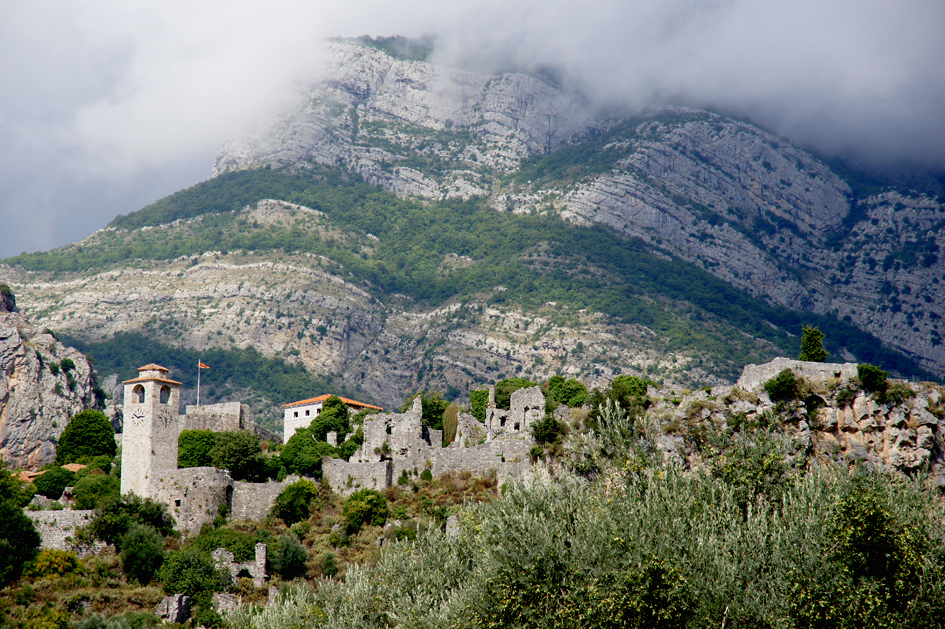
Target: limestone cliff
747 206
42 385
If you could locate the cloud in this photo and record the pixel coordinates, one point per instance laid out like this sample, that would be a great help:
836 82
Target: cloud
109 105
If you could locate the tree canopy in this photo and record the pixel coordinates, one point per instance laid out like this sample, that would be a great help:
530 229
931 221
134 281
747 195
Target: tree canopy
812 345
87 435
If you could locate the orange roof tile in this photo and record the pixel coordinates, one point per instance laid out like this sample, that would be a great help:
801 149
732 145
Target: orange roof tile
153 367
146 379
322 398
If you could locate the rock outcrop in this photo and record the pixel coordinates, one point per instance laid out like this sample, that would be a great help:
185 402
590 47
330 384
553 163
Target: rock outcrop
900 431
42 385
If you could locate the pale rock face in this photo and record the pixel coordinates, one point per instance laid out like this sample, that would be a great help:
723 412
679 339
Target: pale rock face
36 404
741 203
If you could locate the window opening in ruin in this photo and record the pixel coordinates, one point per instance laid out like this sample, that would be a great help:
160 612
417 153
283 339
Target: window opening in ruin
137 394
502 422
177 503
516 427
296 414
244 574
165 395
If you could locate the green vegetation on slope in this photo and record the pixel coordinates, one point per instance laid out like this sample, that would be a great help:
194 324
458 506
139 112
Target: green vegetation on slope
274 379
535 258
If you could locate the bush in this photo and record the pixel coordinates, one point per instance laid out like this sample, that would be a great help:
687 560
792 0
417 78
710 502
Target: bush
303 454
294 504
290 557
783 387
432 407
54 563
19 541
240 453
334 417
478 401
571 392
113 518
548 430
53 481
194 447
365 506
426 475
191 572
351 445
142 553
90 490
505 388
872 378
88 434
242 545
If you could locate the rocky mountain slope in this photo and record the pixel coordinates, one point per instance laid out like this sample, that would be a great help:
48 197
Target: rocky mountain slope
527 234
42 385
741 203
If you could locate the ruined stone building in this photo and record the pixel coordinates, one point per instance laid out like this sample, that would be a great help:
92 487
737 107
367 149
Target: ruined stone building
399 443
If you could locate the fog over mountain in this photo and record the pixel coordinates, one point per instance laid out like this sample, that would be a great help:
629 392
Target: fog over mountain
107 106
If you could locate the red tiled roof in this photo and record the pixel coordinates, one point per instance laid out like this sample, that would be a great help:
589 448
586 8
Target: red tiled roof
153 367
322 398
151 379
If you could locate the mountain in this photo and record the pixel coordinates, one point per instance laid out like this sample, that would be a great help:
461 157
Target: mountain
407 225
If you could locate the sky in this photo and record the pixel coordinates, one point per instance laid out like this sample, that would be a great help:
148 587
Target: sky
107 105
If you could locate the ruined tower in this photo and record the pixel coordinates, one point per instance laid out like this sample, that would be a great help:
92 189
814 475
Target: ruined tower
149 443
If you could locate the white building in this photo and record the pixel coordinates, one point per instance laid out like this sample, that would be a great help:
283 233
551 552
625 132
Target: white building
300 414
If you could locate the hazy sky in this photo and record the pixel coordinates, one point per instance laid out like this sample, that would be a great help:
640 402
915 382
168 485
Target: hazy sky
106 106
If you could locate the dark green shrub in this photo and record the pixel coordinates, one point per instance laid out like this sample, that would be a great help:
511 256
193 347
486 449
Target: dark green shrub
303 454
142 553
90 490
571 392
88 434
334 417
845 397
365 506
191 572
432 407
67 364
478 401
812 345
113 518
290 557
426 475
351 445
53 481
783 387
19 541
194 447
872 378
505 388
242 545
548 430
294 504
240 453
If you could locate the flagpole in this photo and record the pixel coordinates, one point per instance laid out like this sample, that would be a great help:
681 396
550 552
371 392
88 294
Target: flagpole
198 382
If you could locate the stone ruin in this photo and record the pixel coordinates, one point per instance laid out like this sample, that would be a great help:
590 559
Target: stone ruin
398 443
256 569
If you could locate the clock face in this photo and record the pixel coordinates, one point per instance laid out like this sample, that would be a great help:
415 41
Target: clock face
137 418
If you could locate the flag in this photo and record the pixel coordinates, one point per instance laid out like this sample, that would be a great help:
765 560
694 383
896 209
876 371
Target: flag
202 366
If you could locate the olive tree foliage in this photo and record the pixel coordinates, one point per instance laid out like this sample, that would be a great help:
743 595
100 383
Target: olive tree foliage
19 541
88 434
665 549
812 345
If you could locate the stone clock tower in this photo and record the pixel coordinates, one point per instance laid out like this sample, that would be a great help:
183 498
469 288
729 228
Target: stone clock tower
149 442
